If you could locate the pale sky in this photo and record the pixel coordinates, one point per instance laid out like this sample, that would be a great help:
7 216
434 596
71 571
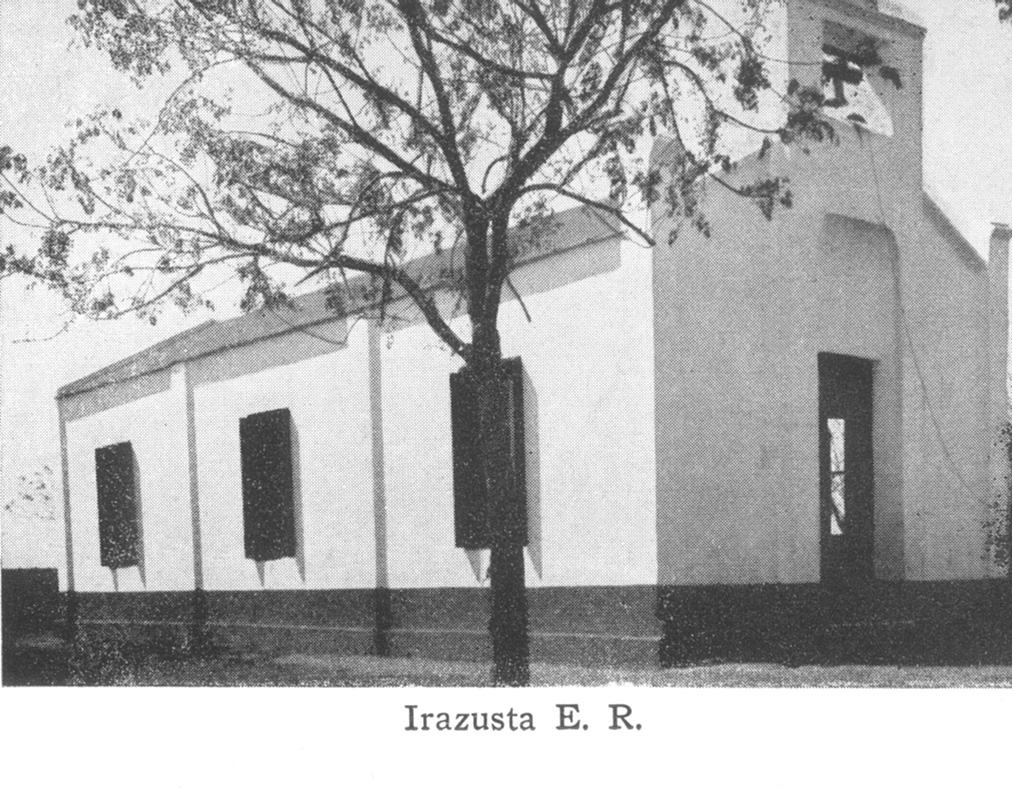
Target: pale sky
968 165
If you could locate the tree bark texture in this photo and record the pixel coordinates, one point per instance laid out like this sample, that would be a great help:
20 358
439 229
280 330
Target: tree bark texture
508 623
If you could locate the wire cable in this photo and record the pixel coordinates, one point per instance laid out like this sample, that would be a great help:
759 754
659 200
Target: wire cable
909 335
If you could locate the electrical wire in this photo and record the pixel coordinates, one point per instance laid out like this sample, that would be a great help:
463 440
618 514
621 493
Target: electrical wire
909 335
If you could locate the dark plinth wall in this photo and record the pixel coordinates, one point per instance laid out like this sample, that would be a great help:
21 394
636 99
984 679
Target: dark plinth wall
31 601
931 623
905 623
33 612
598 625
959 623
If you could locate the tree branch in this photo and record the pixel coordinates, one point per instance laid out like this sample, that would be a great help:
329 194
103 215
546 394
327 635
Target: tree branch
358 135
600 206
415 18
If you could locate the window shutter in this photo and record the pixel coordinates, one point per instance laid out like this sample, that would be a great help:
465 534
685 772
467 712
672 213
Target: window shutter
117 505
470 529
517 508
265 443
470 494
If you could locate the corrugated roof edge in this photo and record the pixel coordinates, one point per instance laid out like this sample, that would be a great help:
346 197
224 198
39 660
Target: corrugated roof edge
577 227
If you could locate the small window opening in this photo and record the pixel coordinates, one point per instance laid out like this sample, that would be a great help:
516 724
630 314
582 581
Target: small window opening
849 96
837 476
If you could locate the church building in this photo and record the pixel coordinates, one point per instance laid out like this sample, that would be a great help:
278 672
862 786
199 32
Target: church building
716 433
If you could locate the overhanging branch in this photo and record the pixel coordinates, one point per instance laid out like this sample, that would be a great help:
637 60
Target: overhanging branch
600 206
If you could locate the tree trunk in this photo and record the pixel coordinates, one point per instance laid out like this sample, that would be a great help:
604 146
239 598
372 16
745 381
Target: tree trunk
508 623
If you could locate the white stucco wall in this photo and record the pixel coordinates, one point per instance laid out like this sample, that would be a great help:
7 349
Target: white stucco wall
740 321
671 399
947 430
154 425
325 386
588 362
860 267
589 353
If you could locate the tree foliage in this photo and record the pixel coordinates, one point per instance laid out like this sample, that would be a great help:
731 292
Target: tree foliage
381 129
33 496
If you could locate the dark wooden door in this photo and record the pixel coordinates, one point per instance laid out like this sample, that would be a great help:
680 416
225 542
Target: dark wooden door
846 472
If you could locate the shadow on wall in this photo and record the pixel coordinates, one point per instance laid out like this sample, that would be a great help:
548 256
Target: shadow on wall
300 344
533 473
542 274
300 541
139 509
569 267
297 511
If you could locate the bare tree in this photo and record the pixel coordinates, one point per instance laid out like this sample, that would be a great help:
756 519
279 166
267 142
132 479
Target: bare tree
384 127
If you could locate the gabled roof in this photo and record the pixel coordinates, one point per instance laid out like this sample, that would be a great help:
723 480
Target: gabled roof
209 337
571 228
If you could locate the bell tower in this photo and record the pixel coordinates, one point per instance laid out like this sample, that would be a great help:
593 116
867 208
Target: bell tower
865 58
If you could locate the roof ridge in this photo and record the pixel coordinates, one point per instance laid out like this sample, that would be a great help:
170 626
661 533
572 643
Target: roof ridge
149 350
575 227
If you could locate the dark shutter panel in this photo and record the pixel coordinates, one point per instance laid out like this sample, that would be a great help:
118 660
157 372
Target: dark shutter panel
470 494
470 529
517 526
117 505
265 442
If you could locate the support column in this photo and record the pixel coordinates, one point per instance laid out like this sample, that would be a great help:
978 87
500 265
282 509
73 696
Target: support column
200 636
67 528
998 324
998 384
381 594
